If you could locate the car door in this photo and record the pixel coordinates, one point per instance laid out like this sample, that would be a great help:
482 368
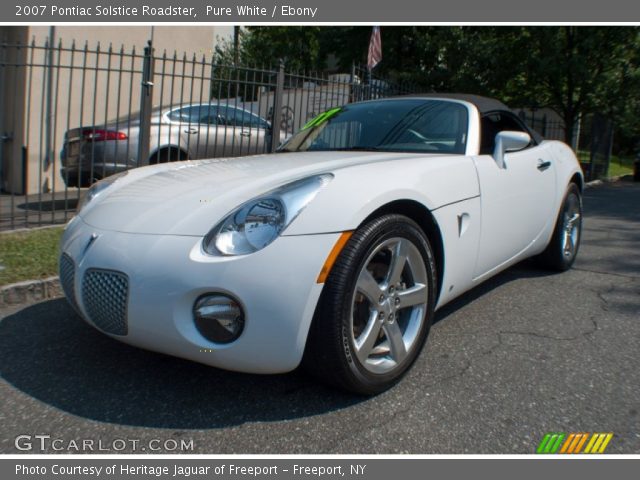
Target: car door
259 131
212 136
194 132
517 199
249 131
200 131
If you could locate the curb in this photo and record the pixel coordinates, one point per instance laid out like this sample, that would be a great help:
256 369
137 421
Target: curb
617 178
30 291
31 229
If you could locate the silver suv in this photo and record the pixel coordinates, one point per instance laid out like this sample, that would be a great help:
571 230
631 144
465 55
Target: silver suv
177 133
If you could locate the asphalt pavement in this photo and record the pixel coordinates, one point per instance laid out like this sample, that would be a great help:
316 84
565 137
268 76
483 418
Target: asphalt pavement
527 353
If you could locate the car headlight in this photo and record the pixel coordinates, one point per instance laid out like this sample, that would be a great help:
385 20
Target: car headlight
97 188
257 223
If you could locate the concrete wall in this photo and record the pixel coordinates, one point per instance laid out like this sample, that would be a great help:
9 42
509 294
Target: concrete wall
12 110
190 39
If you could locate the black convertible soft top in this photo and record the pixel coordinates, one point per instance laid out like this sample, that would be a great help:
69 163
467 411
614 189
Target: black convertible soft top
483 104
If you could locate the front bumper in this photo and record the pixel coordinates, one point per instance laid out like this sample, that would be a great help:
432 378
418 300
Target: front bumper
167 273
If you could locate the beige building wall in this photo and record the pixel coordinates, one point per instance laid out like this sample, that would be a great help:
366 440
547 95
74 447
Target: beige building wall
12 111
98 95
190 39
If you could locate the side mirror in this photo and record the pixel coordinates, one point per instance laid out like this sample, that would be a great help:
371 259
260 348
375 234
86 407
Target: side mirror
508 141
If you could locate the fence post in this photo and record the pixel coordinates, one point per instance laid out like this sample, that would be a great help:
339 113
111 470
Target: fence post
277 109
592 150
352 83
610 132
3 135
146 100
48 121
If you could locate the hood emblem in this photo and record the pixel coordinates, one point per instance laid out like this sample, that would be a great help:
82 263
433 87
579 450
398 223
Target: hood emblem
93 238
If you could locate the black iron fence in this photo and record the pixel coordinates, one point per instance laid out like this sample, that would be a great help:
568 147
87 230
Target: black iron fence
594 145
71 115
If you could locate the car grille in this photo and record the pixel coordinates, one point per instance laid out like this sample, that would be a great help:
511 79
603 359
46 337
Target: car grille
104 295
67 278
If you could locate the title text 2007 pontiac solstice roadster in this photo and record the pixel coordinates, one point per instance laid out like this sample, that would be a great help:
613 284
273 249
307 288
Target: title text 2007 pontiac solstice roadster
334 252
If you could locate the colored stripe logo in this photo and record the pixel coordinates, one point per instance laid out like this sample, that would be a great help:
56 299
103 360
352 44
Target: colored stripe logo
574 443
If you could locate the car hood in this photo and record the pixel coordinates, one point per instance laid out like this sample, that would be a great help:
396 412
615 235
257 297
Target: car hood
189 198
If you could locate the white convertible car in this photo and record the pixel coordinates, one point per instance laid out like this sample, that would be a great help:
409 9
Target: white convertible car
334 252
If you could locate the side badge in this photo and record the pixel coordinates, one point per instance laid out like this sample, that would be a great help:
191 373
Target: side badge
92 239
463 223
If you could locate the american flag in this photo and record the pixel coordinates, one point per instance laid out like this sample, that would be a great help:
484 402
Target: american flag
375 49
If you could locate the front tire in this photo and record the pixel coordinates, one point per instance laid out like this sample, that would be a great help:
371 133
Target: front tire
565 242
376 308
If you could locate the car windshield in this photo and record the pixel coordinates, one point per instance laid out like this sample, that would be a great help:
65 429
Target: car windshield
400 125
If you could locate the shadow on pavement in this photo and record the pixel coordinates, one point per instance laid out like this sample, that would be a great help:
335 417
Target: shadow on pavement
618 200
49 353
525 269
611 230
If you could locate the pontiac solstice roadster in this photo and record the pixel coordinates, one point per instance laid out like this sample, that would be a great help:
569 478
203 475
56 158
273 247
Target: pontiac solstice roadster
335 251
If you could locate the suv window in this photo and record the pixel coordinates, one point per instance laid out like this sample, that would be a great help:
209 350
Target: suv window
237 117
195 114
493 123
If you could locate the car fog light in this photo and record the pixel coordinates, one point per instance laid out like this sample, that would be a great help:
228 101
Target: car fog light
218 318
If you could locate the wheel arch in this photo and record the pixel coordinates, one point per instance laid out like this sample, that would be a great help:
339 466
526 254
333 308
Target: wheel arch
578 180
420 214
154 155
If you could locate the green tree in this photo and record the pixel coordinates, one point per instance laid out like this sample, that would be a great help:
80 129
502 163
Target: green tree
298 47
574 70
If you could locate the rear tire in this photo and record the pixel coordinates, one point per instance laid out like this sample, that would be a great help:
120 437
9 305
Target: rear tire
565 242
376 308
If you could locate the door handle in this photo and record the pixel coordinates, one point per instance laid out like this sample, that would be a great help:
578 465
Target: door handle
542 165
191 130
245 133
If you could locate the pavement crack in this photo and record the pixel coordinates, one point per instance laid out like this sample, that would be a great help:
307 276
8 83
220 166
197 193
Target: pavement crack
469 363
538 335
589 333
604 305
600 272
552 337
459 373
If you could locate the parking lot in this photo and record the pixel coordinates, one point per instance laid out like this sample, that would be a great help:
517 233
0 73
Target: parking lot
527 353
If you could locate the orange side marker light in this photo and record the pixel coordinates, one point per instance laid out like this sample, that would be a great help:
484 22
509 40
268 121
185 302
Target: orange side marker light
333 255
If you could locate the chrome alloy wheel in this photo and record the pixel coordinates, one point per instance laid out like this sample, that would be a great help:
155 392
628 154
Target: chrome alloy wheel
389 304
571 226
